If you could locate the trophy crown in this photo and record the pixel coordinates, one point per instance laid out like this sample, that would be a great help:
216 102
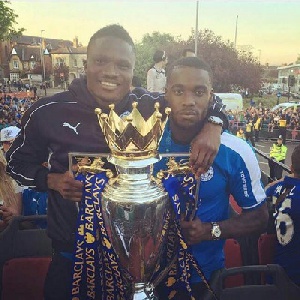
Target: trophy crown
132 137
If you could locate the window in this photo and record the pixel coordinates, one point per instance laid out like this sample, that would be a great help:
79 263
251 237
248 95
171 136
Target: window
60 62
32 64
14 76
75 62
15 64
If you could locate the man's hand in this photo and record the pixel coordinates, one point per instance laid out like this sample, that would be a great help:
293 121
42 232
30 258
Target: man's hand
66 185
204 148
195 231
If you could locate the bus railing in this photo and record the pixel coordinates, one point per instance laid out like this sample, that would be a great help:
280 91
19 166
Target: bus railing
266 176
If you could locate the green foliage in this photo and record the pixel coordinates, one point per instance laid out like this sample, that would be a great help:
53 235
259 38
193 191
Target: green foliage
145 50
8 22
230 68
39 70
268 101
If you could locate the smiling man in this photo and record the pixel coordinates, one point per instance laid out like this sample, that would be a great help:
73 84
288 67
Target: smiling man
109 69
66 122
235 171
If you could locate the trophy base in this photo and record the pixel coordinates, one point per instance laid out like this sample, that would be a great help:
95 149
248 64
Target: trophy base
143 292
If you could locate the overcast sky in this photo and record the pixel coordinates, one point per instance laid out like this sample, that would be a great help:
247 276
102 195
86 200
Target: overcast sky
272 28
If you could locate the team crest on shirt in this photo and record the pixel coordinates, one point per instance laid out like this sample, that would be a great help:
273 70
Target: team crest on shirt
208 175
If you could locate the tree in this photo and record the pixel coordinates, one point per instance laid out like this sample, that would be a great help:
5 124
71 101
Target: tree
8 22
230 67
145 50
39 70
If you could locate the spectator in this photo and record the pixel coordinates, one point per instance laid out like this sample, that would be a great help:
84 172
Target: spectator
282 127
136 87
278 153
156 76
10 192
240 134
136 82
26 201
287 219
8 135
294 133
249 132
257 128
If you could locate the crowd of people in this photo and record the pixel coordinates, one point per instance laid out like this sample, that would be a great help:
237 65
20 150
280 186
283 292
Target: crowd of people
223 163
13 107
260 118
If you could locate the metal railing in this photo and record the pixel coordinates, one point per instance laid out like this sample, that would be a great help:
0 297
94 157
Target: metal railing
264 133
267 157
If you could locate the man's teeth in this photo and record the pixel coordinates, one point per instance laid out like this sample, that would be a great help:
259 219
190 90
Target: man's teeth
108 83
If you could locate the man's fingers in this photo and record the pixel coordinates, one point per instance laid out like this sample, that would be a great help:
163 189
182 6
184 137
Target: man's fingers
200 161
193 156
203 161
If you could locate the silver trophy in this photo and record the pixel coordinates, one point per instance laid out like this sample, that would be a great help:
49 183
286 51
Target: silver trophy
134 205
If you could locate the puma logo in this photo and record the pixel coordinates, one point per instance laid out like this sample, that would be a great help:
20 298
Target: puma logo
65 124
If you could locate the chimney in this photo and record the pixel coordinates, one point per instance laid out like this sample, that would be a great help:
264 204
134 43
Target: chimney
75 42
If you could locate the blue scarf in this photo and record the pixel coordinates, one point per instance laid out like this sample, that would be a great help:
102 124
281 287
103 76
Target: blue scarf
97 273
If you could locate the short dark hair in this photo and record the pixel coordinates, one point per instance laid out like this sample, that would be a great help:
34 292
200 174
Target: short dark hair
136 81
159 55
193 62
296 160
113 30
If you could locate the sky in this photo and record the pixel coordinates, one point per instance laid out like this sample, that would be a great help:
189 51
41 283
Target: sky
271 28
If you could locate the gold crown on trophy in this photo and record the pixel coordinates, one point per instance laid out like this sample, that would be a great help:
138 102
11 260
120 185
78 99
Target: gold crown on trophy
132 137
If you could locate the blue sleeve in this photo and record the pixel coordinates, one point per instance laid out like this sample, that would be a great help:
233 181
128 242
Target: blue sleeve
244 172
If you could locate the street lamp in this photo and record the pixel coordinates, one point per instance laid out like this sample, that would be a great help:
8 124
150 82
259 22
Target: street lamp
196 29
236 31
43 62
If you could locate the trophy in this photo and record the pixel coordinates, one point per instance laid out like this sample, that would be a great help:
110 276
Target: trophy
133 205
